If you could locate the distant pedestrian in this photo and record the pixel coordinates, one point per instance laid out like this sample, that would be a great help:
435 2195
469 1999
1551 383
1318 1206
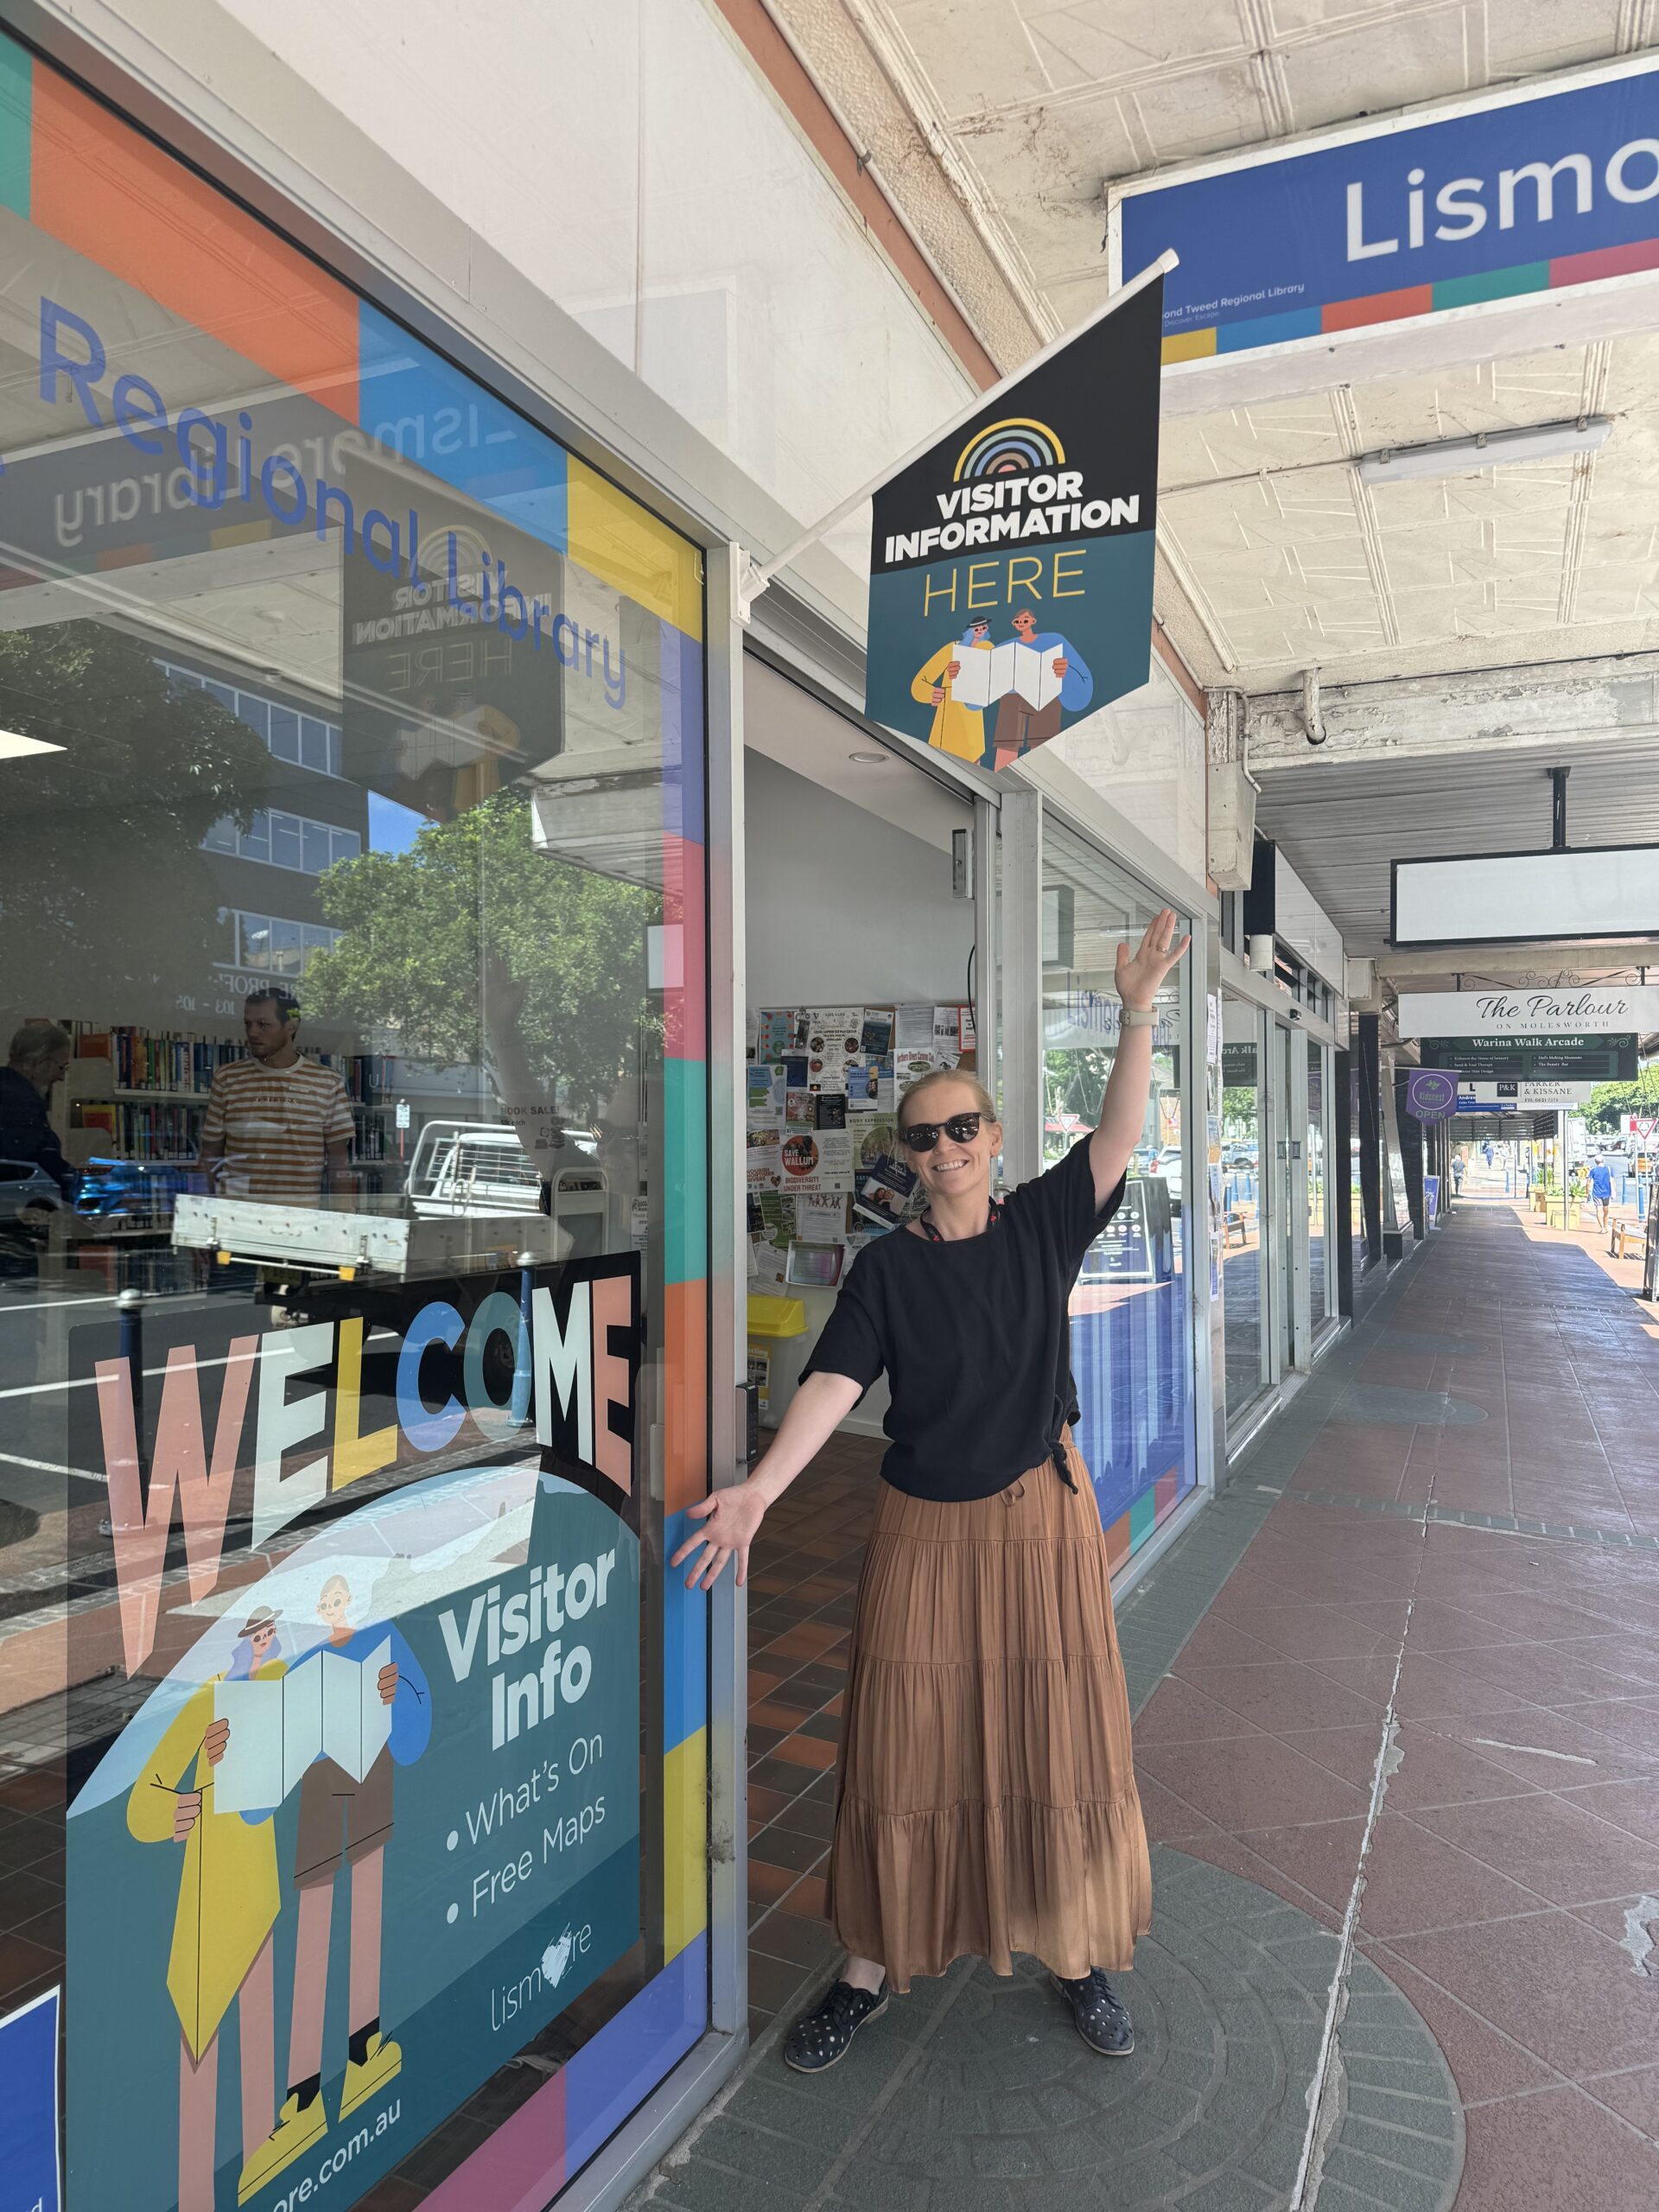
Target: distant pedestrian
1601 1191
1457 1174
1487 1149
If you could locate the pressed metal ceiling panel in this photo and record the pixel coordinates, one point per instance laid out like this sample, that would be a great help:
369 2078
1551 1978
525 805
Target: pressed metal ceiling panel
1303 565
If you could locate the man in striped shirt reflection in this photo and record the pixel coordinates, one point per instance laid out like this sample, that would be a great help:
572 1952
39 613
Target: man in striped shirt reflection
277 1122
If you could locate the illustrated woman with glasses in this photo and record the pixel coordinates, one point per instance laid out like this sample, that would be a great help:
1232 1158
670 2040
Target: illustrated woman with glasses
986 1800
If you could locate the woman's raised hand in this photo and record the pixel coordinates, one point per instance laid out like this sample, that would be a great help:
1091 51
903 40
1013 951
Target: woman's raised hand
1141 974
730 1519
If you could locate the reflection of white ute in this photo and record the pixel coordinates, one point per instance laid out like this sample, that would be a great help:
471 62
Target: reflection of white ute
472 1195
479 1168
469 1167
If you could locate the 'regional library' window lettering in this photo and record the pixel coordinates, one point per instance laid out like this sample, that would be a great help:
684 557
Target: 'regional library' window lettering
352 1191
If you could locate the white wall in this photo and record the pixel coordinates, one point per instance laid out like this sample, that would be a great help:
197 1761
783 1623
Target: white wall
1145 753
627 157
844 909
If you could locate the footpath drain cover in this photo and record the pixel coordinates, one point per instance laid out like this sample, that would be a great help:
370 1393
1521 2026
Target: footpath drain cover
975 2093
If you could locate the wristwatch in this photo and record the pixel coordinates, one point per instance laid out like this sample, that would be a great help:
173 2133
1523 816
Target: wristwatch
1140 1017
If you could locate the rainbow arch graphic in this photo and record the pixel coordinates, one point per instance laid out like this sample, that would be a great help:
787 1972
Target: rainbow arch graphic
1015 447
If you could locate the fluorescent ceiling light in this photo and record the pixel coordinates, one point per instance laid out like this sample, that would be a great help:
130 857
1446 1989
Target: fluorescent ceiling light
1488 449
15 747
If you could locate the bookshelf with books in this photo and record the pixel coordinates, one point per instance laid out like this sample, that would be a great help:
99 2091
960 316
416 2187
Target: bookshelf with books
141 1095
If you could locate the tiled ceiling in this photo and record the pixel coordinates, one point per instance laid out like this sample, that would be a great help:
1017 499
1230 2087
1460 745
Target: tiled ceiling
1286 561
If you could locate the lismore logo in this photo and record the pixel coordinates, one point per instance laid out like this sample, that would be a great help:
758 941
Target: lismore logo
555 1958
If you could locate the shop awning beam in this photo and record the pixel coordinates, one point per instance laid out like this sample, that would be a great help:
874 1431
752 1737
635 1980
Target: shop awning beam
750 578
1491 714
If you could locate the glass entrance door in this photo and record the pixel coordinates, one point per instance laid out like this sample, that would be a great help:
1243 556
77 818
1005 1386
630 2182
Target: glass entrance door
1321 1246
1245 1166
1131 1315
1282 1228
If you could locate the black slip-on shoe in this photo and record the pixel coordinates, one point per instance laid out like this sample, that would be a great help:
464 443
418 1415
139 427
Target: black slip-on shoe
824 2036
1102 2020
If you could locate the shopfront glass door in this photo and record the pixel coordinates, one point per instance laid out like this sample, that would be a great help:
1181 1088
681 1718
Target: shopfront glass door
1320 1238
1282 1231
1245 1300
354 1351
1131 1322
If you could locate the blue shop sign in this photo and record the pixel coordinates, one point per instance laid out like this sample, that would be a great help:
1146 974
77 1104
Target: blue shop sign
1504 197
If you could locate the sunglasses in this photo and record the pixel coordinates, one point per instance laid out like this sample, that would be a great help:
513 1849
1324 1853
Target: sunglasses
922 1136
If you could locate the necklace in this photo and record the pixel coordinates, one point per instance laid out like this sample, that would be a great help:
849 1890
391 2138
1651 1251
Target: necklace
933 1236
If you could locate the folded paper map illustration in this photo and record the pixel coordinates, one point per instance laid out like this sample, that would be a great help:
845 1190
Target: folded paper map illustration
330 1705
985 677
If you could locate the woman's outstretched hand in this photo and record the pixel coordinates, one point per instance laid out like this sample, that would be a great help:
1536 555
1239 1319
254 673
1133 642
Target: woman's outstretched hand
730 1519
1141 974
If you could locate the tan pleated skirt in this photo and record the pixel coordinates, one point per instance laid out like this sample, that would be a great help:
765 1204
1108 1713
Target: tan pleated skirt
986 1800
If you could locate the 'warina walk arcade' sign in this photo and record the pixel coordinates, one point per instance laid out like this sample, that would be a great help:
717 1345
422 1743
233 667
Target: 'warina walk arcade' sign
1011 565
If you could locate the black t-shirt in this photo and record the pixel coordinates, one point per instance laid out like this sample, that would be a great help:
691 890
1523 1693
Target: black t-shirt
973 1335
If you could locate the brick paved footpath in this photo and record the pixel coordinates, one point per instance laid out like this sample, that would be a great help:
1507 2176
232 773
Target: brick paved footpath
1402 1676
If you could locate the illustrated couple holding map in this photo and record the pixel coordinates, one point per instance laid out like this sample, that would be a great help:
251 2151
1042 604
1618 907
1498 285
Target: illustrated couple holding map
325 1720
1031 679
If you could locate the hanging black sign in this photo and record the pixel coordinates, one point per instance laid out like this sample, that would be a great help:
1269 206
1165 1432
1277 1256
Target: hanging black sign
1011 566
1586 1057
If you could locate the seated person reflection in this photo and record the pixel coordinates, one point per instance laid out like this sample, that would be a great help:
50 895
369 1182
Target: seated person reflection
277 1122
39 1053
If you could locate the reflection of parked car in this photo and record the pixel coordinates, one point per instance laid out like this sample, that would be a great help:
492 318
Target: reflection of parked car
29 1196
25 1186
135 1188
480 1168
1168 1165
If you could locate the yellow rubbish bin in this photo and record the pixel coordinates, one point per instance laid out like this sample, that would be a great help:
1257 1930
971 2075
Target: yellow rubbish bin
776 1325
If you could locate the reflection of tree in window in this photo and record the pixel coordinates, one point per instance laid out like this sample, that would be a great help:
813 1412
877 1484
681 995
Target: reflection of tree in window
108 904
474 948
1074 1078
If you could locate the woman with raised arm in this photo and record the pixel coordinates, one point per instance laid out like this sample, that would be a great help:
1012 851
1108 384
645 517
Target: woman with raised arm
986 1800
